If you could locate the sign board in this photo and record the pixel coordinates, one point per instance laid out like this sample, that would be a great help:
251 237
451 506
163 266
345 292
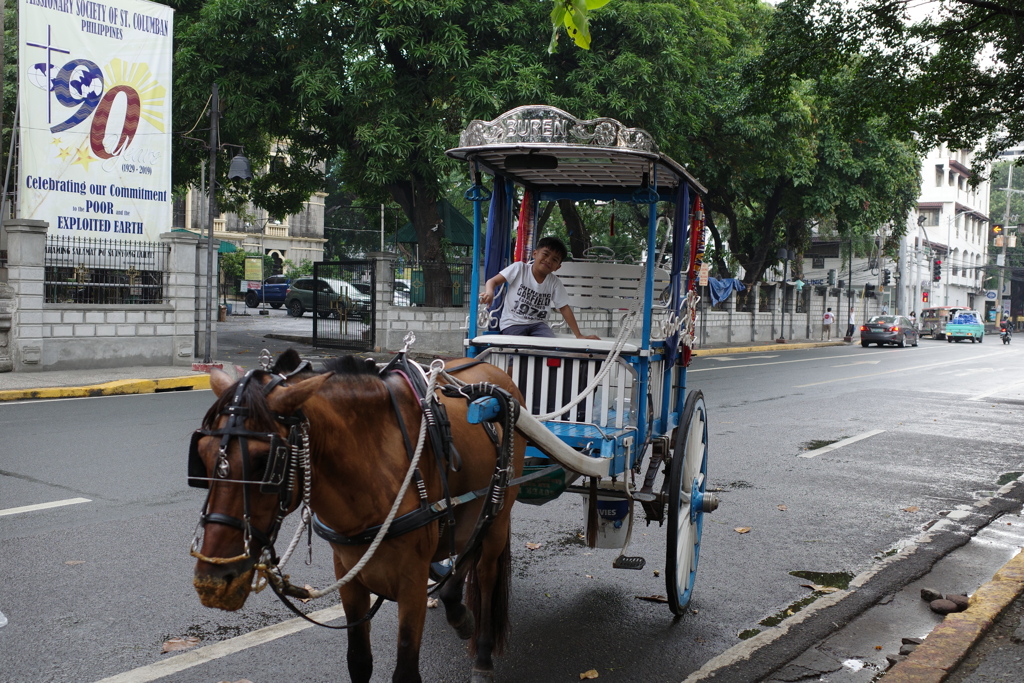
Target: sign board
990 294
705 271
95 97
254 269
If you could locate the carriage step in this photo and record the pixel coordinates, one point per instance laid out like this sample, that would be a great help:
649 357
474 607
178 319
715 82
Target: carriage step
439 570
625 562
644 497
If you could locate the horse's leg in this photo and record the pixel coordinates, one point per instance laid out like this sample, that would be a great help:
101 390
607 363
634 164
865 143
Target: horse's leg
356 601
460 618
489 597
412 613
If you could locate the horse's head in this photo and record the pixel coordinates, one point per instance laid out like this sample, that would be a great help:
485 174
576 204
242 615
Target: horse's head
249 454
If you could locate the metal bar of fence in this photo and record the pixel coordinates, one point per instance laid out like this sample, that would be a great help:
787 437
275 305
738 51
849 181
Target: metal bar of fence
90 270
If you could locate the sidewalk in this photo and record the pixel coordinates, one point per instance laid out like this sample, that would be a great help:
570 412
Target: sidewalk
16 386
984 643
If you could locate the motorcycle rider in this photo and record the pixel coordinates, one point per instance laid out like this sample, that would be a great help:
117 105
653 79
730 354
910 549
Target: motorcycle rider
1005 326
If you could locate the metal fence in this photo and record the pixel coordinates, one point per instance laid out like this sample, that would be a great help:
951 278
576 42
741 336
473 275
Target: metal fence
450 279
90 270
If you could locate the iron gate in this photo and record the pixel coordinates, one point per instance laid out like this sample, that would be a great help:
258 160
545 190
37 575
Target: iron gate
344 306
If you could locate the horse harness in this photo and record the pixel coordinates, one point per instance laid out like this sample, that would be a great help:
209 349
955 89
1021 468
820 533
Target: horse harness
285 459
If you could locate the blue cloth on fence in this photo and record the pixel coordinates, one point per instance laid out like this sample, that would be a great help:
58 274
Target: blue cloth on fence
721 289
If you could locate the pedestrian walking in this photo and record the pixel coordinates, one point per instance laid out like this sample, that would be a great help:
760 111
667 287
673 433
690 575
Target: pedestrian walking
851 324
826 324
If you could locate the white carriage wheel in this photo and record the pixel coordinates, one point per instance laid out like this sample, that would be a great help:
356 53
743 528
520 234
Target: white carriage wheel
687 482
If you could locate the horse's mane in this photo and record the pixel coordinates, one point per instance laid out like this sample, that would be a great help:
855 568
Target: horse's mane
351 365
252 398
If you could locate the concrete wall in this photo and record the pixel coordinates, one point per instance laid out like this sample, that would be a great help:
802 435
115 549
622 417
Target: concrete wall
442 331
52 336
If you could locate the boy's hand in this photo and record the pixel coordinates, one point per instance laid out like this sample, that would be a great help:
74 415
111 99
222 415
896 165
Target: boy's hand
486 297
588 336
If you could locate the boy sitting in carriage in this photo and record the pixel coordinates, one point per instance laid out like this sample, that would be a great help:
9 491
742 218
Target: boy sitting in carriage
533 289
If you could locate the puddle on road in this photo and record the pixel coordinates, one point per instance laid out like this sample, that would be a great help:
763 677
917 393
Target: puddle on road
815 444
1006 478
837 580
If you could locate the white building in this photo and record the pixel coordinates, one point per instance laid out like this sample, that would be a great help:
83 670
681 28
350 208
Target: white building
948 235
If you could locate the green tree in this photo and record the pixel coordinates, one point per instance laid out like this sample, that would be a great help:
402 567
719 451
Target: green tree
791 145
384 88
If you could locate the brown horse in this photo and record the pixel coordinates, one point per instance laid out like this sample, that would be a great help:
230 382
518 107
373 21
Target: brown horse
358 457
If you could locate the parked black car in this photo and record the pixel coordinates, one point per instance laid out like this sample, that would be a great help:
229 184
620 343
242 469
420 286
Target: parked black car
889 329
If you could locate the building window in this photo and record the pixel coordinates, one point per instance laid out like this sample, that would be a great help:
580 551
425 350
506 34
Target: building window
931 216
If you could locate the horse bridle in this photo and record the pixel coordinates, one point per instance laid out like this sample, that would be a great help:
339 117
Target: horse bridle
285 460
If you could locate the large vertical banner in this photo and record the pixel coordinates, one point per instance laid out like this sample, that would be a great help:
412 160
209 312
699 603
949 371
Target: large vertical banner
95 89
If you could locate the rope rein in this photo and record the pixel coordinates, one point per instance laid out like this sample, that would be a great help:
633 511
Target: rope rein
265 569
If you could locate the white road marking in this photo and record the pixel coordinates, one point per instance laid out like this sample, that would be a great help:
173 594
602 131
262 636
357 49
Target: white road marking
36 401
784 362
859 362
840 444
876 374
191 658
994 391
43 506
744 358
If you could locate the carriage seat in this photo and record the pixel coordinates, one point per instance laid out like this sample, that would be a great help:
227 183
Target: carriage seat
562 342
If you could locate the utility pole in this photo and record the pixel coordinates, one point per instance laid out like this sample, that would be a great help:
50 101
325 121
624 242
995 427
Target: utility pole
1002 268
214 115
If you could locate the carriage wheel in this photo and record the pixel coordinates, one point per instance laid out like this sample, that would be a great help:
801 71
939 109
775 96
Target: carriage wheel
687 502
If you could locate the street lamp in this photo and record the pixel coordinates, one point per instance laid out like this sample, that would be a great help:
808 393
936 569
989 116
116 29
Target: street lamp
239 168
784 253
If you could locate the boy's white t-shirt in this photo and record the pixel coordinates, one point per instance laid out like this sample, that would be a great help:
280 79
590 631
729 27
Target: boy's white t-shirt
828 318
526 300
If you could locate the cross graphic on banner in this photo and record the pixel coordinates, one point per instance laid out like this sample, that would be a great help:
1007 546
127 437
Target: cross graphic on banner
49 82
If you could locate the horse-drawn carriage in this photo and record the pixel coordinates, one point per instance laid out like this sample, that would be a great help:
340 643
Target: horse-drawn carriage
611 420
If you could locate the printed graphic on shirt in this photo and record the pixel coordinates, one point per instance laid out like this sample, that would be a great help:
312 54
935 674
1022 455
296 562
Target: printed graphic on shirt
531 303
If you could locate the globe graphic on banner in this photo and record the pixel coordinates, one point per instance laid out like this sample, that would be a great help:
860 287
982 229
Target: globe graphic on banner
86 82
37 76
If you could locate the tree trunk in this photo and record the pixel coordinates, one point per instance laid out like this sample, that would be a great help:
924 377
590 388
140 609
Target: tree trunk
420 205
579 238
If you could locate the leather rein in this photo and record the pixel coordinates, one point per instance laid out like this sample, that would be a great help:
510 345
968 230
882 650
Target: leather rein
290 457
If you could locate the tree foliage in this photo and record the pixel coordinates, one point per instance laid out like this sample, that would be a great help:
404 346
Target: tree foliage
792 144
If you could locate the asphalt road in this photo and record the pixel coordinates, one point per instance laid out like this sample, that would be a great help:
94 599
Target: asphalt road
94 589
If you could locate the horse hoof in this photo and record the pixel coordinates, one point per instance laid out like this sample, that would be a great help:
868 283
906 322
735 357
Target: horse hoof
465 628
481 676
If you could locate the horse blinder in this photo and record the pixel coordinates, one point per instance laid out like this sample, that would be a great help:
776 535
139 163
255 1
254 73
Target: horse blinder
197 475
274 474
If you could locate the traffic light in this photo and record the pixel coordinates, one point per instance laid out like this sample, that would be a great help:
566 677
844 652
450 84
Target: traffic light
924 297
997 230
937 270
832 277
886 277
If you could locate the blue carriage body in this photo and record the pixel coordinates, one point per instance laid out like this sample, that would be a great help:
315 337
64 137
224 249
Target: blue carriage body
553 156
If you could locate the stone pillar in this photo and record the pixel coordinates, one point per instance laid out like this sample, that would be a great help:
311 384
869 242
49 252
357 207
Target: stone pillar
384 287
755 292
197 275
26 254
6 314
180 292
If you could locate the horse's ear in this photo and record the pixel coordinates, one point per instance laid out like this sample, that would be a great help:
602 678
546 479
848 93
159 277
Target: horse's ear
286 362
286 400
219 381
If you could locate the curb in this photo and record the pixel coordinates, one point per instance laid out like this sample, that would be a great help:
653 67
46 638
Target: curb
118 387
769 651
788 346
950 642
